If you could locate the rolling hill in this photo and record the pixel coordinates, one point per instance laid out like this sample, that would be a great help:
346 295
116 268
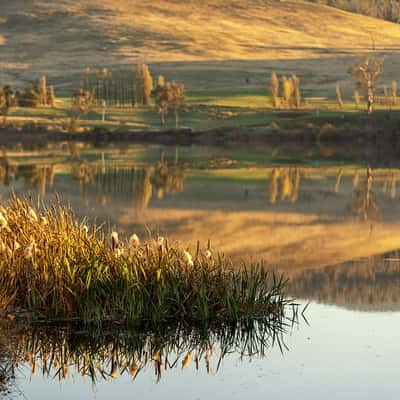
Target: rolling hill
59 38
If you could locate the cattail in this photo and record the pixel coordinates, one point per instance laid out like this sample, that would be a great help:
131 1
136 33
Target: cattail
134 369
134 241
157 356
32 214
29 251
188 258
118 252
28 356
65 371
207 359
114 240
3 221
160 241
33 368
114 370
186 360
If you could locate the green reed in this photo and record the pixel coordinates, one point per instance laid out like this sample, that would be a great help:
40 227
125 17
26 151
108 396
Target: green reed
53 267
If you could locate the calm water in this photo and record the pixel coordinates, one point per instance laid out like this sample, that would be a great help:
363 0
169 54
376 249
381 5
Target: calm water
321 221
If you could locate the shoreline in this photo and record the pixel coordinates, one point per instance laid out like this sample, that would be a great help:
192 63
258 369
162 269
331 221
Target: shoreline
214 136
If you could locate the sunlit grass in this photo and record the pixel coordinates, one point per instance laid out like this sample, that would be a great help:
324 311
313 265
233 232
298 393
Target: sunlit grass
56 267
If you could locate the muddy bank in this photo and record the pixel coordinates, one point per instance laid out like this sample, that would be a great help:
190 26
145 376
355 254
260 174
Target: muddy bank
377 134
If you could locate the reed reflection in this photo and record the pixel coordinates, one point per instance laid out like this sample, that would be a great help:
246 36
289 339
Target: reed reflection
67 352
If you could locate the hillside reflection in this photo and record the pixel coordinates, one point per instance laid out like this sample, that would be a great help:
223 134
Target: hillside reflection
370 284
292 210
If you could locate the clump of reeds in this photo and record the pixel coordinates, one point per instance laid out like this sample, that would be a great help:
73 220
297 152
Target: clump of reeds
57 267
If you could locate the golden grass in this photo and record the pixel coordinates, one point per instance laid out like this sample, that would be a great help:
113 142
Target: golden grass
53 265
97 32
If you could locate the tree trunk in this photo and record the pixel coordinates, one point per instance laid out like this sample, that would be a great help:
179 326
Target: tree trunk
162 118
370 98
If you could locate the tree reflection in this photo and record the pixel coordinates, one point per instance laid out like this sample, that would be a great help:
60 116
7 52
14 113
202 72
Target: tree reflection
289 181
136 183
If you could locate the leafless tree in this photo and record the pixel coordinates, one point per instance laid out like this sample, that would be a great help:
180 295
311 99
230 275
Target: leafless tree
367 72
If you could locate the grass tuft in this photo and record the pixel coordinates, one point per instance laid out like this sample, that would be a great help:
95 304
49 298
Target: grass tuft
55 267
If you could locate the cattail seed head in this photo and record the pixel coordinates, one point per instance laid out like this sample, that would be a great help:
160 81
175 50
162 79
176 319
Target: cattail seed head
160 241
114 240
32 214
134 240
188 258
3 221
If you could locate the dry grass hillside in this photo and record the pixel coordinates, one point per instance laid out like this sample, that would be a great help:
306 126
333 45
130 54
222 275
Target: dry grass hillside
60 37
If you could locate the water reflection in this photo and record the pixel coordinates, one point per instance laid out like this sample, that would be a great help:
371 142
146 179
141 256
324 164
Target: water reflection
64 352
6 367
292 214
288 179
136 184
370 284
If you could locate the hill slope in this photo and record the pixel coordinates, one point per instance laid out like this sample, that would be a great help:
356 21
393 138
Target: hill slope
61 37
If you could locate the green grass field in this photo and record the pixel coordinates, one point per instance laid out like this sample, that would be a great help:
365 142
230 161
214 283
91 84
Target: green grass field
208 110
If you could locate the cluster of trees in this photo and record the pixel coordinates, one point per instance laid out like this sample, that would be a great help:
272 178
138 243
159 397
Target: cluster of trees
35 95
169 96
385 9
131 88
289 96
124 88
285 92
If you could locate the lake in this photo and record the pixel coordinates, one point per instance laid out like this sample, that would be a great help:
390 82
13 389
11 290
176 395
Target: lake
319 216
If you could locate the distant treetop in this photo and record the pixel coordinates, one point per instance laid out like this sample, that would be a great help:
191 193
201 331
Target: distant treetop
385 9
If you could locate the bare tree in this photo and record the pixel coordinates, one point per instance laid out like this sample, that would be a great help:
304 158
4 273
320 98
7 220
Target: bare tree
367 72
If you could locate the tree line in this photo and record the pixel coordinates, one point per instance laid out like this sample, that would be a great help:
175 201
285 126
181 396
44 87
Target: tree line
285 92
384 9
